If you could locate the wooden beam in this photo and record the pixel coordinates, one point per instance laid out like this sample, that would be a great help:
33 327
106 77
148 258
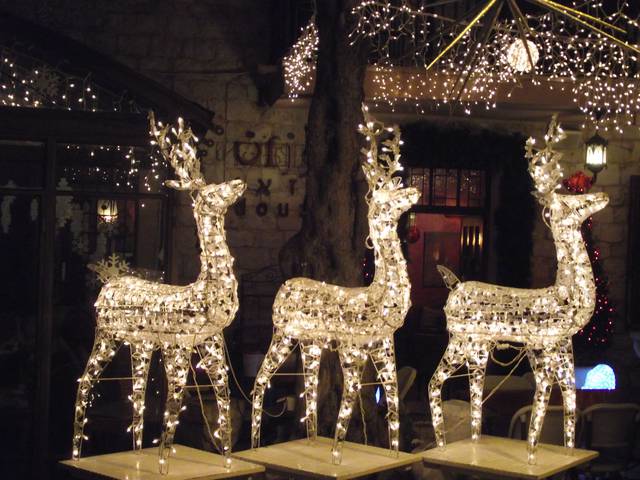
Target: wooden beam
107 128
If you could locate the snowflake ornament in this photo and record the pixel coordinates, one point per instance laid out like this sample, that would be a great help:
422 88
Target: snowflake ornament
111 267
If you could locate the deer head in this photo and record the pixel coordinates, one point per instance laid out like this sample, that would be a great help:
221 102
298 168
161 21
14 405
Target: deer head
566 211
178 147
387 197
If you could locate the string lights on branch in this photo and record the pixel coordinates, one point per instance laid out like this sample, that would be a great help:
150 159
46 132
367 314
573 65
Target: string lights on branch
359 321
481 316
500 44
177 320
300 63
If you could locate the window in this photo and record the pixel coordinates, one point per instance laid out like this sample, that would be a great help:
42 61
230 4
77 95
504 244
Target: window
64 205
446 227
449 187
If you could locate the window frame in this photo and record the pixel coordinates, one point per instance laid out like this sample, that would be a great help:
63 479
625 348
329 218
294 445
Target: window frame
451 210
484 211
53 127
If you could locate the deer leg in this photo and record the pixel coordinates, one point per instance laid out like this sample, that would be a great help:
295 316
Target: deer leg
279 350
311 353
566 377
103 351
215 364
451 361
477 360
543 366
176 360
384 360
140 359
352 360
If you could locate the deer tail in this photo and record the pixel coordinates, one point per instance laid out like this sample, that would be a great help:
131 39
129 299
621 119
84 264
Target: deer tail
449 278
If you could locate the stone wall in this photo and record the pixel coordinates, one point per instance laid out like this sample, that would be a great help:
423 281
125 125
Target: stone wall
209 52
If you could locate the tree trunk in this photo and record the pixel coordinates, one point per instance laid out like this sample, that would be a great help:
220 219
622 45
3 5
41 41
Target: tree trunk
331 243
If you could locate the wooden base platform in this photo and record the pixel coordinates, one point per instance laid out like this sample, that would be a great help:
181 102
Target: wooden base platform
185 464
497 457
305 459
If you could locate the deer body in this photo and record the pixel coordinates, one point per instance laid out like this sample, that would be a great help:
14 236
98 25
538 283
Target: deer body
356 313
201 308
176 320
359 321
481 315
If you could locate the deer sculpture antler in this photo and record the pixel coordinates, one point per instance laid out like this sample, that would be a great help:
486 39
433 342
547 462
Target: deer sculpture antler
379 168
544 164
181 153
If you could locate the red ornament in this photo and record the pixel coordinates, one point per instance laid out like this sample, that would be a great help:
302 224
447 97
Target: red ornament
413 234
578 182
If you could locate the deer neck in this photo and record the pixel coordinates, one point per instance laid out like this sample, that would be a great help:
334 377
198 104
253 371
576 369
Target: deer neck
574 277
216 262
391 275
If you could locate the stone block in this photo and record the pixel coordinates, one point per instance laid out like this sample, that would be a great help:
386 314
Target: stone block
243 111
629 168
256 222
293 222
609 176
610 232
620 214
617 195
269 239
604 216
202 88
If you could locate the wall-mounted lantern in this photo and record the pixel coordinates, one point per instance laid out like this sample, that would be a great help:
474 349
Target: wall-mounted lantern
107 210
596 154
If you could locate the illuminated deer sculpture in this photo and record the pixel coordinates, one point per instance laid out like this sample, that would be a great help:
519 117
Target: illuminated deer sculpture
480 315
361 321
174 319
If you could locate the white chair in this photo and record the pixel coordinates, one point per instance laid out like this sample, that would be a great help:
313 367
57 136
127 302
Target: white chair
552 428
611 428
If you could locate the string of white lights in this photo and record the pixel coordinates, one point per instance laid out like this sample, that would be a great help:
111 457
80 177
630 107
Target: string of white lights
176 320
300 63
579 50
481 315
359 321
